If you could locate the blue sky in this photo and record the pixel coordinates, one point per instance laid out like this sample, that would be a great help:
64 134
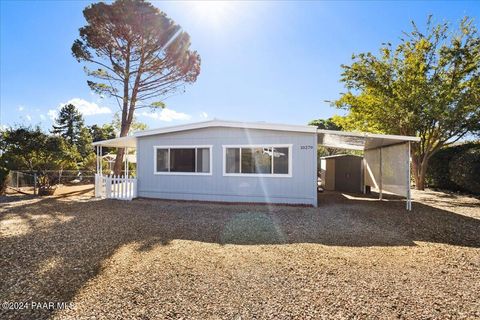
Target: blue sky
261 61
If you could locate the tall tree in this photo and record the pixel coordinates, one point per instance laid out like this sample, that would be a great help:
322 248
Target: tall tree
428 86
139 54
69 123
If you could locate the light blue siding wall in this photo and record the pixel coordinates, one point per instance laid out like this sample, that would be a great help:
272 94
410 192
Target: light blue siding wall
298 189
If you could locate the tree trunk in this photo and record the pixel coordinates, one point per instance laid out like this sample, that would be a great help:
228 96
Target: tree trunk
118 166
420 181
420 164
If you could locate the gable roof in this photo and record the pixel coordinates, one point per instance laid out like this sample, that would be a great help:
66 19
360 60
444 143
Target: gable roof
228 124
329 138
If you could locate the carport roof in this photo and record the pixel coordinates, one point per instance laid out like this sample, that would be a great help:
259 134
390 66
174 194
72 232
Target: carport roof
328 138
359 140
123 142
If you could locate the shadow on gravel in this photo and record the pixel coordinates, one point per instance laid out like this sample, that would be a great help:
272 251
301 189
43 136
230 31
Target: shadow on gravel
51 262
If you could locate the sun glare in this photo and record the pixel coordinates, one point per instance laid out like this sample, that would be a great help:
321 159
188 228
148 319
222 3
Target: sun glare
215 13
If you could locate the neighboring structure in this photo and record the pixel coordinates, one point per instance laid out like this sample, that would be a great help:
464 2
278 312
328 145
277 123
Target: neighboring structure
343 172
235 161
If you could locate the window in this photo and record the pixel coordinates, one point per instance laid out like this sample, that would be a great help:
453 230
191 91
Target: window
183 160
257 160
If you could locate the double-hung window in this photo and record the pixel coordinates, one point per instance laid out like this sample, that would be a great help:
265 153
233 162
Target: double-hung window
267 160
183 160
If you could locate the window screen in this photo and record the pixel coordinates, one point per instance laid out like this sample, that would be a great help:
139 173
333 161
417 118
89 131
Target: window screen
203 160
162 160
280 160
232 160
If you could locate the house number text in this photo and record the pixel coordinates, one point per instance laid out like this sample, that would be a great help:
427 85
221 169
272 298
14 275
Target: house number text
306 147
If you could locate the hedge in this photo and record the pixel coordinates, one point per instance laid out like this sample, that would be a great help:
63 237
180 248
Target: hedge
456 168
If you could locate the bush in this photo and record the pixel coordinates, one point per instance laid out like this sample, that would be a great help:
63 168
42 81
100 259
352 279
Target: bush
465 170
456 168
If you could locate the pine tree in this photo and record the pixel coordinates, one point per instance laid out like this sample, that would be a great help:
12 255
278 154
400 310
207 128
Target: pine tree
69 124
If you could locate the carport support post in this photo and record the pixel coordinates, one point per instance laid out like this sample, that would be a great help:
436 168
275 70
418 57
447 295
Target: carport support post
380 184
409 196
100 160
96 158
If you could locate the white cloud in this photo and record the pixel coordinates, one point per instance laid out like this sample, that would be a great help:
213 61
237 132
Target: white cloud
28 117
85 107
42 117
204 115
21 108
52 114
3 127
166 115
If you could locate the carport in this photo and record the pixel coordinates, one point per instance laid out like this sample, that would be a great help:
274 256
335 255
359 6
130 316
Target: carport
386 159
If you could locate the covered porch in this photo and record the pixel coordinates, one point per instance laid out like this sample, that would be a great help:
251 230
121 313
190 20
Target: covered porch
108 185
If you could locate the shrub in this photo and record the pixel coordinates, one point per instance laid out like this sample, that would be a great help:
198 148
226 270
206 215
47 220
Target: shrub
456 168
465 170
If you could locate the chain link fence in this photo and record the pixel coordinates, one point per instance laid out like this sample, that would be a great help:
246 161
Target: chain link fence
22 182
28 183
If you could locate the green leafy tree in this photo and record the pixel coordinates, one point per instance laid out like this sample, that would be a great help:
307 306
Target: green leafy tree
427 86
105 132
84 143
30 149
139 55
325 124
4 171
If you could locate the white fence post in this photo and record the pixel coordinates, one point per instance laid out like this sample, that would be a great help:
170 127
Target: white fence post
134 188
97 186
122 183
108 186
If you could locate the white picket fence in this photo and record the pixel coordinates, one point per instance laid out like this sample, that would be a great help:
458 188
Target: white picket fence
115 187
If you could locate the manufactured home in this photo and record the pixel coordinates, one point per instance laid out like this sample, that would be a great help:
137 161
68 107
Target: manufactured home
247 162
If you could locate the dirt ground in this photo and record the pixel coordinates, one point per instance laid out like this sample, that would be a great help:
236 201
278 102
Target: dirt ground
352 257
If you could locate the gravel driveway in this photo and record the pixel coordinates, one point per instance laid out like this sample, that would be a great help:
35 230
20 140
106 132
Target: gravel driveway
148 259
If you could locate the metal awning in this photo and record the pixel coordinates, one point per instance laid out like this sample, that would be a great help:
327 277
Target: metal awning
123 142
359 140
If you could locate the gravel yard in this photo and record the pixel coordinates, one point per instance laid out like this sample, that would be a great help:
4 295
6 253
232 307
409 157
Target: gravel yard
350 258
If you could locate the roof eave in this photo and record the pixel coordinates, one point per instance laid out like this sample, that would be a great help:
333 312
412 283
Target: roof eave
370 135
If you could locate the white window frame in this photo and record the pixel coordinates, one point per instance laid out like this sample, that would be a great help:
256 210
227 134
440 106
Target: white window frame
271 175
176 173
